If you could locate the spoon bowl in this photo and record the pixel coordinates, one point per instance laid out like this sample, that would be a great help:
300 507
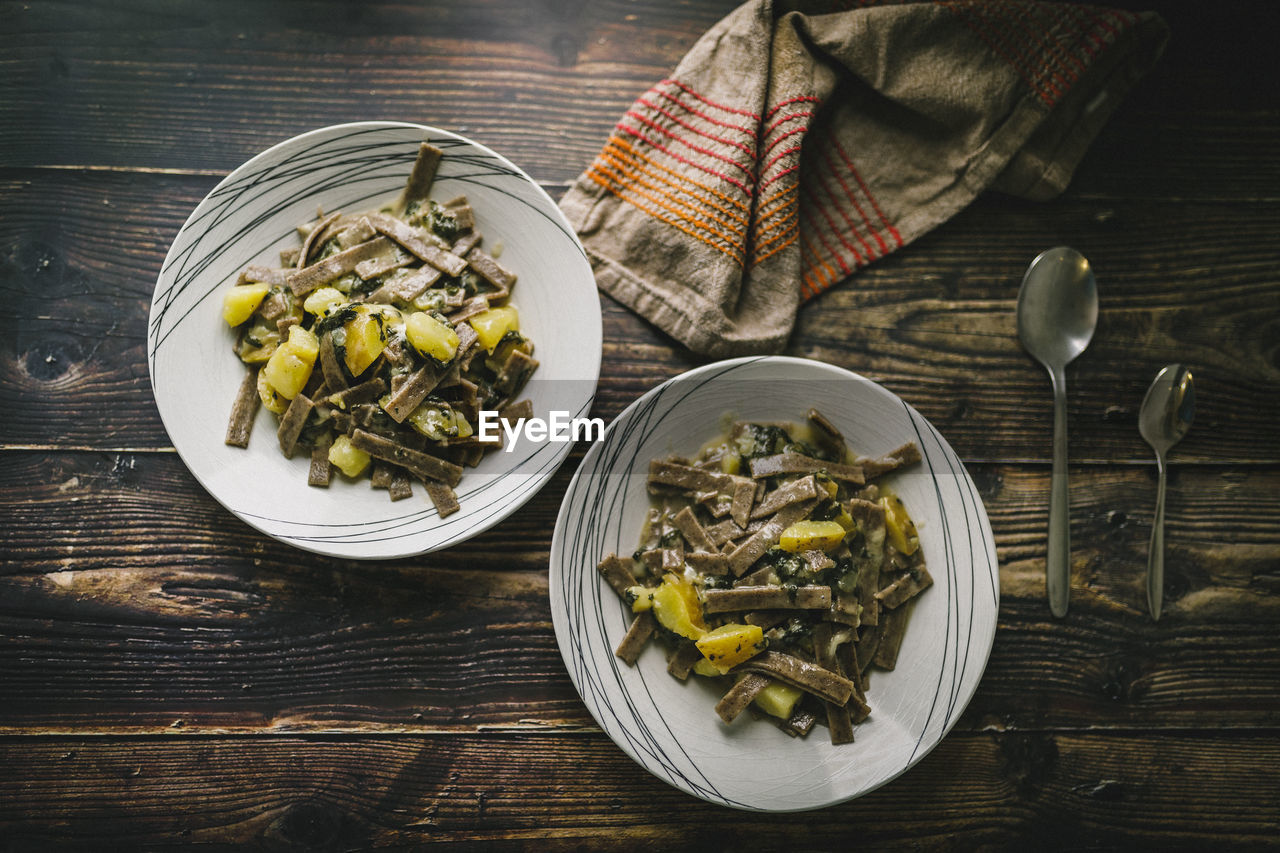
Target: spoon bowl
1168 408
1057 314
1167 412
1057 306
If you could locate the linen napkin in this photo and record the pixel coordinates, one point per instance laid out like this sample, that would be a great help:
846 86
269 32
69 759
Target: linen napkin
800 141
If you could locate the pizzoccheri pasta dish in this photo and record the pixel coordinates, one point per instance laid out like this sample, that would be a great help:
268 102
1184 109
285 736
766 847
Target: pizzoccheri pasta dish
775 563
382 343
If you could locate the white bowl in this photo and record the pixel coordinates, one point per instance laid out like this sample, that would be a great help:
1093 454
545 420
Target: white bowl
669 727
248 218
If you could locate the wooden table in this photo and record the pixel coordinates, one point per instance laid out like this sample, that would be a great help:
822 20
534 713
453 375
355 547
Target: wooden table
168 676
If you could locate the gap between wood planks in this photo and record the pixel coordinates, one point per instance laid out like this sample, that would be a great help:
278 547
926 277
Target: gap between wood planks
548 186
557 188
533 727
1027 462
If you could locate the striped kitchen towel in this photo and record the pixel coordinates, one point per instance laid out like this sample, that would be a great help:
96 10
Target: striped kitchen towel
799 141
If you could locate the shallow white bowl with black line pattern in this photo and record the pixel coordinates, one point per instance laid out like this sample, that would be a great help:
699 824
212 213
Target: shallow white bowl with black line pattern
252 215
670 727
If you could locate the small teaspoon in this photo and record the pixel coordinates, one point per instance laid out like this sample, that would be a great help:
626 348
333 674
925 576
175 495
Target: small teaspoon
1167 412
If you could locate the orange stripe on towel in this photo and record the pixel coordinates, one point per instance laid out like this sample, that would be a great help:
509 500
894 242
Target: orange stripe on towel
734 253
625 175
788 237
731 208
764 222
818 276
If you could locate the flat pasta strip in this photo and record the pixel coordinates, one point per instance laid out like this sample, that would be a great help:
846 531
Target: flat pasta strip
799 554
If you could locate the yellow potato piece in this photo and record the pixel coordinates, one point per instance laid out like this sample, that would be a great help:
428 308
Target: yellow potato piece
676 607
431 337
271 399
366 339
493 324
641 600
304 342
811 536
438 423
702 666
830 486
348 458
289 367
729 645
900 530
778 700
239 303
323 301
268 340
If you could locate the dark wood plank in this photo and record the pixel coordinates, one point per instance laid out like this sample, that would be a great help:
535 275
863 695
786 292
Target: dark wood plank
144 510
527 79
198 87
78 268
512 790
169 676
935 323
130 601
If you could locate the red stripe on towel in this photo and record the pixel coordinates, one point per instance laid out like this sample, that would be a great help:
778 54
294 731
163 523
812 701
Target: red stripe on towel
711 103
713 172
799 99
715 155
866 192
692 110
750 152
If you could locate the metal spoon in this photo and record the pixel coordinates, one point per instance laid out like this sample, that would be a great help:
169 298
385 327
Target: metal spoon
1166 415
1057 313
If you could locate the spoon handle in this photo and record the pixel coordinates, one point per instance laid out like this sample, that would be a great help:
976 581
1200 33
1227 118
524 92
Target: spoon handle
1058 565
1155 554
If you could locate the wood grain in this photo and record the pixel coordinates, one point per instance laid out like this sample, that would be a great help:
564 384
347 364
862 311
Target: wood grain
933 323
177 87
159 607
553 791
168 676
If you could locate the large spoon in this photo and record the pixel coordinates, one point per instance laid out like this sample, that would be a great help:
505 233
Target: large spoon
1057 313
1166 415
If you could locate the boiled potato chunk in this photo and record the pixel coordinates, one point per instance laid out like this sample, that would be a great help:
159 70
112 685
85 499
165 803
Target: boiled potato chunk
811 536
641 598
271 399
493 324
239 303
726 457
845 520
830 486
729 645
778 700
676 607
704 667
348 458
366 338
257 341
323 301
305 342
437 422
289 367
430 336
899 528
